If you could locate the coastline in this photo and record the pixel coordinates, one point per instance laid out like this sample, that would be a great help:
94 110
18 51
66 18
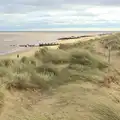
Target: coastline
27 51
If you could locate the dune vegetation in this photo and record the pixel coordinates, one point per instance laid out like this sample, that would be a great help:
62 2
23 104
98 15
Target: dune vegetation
70 83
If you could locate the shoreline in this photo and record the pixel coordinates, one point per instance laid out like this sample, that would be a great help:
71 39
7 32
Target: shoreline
22 50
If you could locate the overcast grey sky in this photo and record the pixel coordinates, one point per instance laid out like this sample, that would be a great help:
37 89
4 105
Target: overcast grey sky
39 14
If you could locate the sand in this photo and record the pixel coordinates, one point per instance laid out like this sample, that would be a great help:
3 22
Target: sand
17 38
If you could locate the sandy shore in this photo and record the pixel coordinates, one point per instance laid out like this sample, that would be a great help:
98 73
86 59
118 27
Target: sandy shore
20 38
30 51
17 38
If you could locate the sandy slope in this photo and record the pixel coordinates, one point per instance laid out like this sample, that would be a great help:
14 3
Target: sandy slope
68 102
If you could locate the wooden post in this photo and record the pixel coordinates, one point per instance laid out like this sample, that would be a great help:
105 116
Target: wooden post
109 57
109 54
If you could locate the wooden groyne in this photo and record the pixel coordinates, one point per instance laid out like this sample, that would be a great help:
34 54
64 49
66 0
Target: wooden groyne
73 37
49 44
37 45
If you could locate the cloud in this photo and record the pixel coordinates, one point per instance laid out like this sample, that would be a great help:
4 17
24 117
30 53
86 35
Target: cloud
21 14
11 6
94 2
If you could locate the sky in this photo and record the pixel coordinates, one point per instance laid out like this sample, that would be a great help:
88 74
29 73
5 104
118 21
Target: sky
50 15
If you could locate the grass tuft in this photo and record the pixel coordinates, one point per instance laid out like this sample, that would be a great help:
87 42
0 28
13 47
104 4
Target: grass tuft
85 58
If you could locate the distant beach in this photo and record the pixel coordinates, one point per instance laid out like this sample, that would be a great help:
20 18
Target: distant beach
16 38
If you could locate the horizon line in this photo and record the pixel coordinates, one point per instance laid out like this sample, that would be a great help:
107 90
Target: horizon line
64 29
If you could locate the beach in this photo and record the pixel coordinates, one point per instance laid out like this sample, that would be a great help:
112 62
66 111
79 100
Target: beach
10 41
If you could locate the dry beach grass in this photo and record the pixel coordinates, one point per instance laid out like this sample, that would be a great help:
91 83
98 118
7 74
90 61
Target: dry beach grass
62 84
